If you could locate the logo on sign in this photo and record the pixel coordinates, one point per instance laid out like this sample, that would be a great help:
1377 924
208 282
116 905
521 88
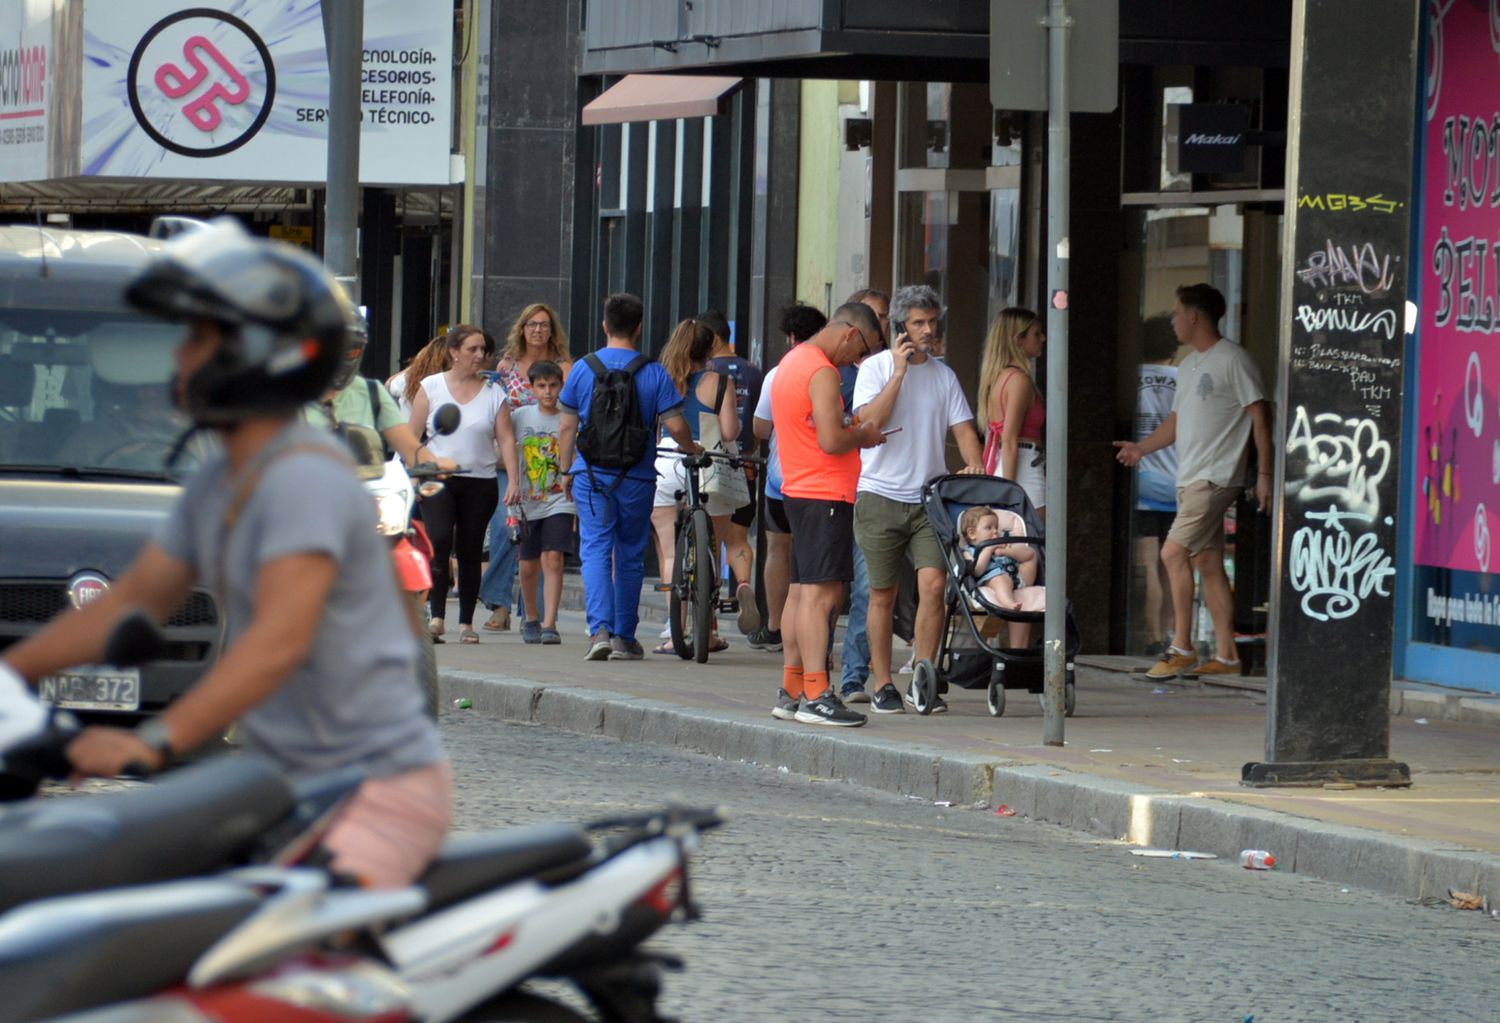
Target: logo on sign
201 83
85 588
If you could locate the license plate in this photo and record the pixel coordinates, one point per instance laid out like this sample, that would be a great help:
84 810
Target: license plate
94 689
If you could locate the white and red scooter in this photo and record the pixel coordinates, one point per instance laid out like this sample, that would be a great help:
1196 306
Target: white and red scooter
201 899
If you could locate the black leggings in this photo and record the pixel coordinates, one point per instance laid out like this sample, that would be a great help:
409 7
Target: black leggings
457 519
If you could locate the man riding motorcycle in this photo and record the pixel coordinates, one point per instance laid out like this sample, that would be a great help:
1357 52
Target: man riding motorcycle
320 656
361 401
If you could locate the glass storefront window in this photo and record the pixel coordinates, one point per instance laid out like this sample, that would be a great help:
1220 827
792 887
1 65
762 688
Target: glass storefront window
939 124
924 234
1005 250
1170 95
1179 246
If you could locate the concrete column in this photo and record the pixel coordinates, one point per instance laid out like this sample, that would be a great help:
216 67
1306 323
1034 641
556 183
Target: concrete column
773 267
1339 417
527 207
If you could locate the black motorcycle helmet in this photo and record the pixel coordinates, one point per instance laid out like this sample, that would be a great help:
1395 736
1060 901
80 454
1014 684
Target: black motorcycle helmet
354 352
285 320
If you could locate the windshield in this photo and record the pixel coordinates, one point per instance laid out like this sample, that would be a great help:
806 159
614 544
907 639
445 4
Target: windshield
87 389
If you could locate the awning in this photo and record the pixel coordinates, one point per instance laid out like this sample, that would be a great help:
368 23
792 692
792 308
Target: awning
659 98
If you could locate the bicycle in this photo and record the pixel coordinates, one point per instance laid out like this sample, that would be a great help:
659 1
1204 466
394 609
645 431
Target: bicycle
694 588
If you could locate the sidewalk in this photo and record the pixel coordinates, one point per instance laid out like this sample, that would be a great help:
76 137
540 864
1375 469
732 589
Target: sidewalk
1154 765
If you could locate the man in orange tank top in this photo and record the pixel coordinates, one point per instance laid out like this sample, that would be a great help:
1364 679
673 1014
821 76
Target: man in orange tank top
820 467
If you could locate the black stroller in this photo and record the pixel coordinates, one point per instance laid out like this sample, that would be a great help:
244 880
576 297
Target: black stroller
971 660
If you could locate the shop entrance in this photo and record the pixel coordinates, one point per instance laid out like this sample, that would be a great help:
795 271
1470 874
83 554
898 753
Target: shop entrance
1234 248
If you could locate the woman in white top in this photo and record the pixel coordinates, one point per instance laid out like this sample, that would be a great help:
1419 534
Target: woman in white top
458 515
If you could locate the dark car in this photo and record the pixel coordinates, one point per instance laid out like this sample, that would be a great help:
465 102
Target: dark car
86 428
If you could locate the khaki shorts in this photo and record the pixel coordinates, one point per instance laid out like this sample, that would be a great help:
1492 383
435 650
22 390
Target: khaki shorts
1199 525
885 531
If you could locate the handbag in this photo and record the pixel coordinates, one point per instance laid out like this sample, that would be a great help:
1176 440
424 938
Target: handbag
720 479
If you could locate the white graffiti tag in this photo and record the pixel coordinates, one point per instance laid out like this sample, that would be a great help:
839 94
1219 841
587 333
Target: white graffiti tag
1355 321
1334 570
1359 265
1347 464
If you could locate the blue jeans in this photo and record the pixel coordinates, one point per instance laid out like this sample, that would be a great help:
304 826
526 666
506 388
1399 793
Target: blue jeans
613 530
855 657
497 587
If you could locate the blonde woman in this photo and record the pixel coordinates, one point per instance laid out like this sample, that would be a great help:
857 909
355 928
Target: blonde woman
685 359
535 336
1014 446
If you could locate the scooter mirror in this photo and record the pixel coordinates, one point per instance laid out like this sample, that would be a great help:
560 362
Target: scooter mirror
447 419
133 641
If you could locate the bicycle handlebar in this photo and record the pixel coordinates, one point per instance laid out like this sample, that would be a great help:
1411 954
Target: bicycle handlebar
702 458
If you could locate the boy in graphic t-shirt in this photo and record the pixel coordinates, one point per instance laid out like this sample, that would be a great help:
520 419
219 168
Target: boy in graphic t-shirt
546 512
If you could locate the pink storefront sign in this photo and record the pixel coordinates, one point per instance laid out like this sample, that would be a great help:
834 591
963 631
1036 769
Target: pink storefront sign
1456 507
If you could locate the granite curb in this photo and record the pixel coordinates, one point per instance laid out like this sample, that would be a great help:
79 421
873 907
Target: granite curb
1111 809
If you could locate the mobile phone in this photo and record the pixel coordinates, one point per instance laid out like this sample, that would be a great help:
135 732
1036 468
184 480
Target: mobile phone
894 429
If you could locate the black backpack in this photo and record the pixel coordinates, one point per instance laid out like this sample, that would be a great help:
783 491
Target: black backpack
616 435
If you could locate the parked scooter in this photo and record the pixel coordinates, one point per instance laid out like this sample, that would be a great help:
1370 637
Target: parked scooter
123 917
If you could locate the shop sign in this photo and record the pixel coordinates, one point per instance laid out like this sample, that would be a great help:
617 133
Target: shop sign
26 87
237 90
1456 511
1206 138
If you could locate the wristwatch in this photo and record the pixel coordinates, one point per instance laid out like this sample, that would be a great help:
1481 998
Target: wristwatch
153 732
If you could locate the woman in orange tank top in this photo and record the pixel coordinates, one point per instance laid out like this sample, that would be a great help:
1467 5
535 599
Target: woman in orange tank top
1012 405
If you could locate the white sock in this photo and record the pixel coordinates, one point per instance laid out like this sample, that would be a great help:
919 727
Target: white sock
1179 650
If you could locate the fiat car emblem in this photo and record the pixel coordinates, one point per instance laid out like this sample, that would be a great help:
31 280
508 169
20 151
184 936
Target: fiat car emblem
86 587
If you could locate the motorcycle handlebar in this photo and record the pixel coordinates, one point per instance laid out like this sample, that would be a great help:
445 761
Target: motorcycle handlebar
430 470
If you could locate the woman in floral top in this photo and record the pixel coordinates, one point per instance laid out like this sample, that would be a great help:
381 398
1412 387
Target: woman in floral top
535 335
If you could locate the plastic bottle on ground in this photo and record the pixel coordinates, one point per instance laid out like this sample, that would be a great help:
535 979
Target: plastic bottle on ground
1257 859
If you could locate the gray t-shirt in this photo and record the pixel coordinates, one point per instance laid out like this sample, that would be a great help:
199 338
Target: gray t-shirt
355 701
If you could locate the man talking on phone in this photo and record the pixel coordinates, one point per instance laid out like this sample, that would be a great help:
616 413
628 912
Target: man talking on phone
915 400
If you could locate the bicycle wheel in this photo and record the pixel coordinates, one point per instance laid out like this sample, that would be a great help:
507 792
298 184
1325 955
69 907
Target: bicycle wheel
680 600
704 582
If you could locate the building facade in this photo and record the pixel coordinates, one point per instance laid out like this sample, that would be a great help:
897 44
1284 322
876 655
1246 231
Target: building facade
876 159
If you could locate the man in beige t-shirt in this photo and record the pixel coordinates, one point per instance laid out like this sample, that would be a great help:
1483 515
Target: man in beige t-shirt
1220 404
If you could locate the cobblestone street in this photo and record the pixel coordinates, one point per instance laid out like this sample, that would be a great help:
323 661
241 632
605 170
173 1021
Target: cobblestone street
825 901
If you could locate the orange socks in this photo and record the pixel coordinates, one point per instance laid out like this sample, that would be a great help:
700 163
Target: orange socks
791 681
814 684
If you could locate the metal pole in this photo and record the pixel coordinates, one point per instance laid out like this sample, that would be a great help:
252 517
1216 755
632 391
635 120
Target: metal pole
344 35
1055 626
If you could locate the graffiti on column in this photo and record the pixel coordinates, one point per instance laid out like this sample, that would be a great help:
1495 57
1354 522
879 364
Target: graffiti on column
1340 466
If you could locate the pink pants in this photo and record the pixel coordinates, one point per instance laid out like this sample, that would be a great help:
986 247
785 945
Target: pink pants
393 827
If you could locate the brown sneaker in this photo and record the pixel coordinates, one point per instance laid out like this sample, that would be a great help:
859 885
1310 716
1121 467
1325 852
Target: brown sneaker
498 621
1172 664
1214 666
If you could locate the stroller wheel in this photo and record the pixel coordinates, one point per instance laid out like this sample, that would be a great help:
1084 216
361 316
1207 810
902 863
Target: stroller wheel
924 687
996 700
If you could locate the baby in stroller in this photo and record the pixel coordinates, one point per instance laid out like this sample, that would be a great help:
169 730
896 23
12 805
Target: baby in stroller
1002 569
